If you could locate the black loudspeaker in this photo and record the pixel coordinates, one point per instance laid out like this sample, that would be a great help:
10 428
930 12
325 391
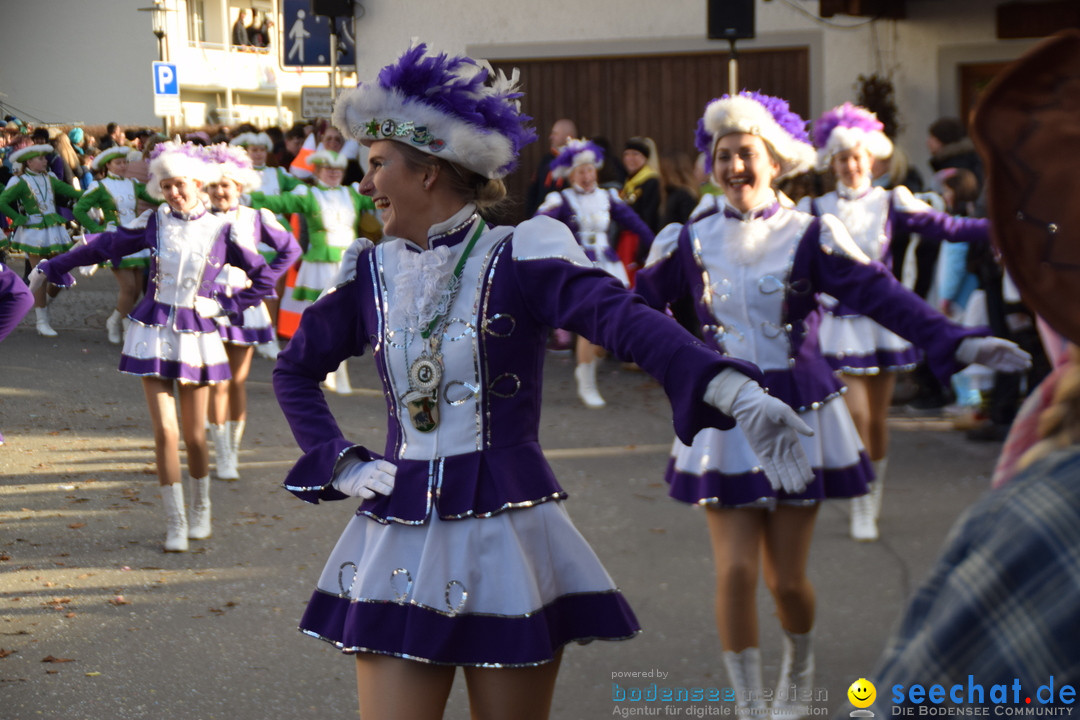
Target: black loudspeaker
332 8
731 19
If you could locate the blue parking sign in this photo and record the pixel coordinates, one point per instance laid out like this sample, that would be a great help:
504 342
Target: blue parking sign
166 89
165 81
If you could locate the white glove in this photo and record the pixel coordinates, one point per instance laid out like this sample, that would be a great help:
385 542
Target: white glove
357 478
37 278
993 352
208 307
770 426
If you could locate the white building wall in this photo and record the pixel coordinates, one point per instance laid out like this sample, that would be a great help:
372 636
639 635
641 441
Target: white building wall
921 52
70 61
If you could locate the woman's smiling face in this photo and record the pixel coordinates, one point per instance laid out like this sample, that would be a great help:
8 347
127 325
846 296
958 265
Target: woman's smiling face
396 188
181 193
745 169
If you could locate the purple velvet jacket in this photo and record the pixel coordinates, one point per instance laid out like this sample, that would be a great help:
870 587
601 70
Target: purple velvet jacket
111 246
812 267
530 280
15 300
621 214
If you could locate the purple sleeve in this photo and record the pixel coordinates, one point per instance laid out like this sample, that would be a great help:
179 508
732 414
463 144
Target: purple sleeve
630 220
102 247
15 300
665 280
872 290
330 331
935 225
260 274
284 244
591 303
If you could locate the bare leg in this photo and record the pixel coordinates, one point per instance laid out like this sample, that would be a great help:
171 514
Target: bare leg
127 281
512 693
879 396
193 403
789 531
390 688
857 399
240 365
585 351
162 405
736 543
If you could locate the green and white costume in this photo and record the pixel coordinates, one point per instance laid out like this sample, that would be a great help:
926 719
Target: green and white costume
336 217
115 197
30 202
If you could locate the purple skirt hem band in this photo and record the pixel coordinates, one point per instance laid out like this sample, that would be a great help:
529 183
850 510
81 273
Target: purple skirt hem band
426 635
175 370
749 488
881 361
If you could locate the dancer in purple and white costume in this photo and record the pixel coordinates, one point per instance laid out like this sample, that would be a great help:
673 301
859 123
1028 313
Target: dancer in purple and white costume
173 342
462 552
15 302
273 181
254 230
849 139
592 214
754 268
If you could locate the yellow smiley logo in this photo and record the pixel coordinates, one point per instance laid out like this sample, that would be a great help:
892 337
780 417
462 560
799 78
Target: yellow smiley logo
862 693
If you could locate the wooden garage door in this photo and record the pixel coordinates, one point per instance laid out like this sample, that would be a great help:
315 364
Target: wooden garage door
661 96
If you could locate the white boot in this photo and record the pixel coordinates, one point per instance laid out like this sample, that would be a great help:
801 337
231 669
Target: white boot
796 675
330 381
268 350
863 524
878 488
235 430
199 525
585 374
114 327
43 326
176 526
744 671
222 453
344 387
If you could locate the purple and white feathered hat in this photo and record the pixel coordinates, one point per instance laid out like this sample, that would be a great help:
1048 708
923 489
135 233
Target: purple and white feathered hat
846 127
574 154
232 162
176 159
450 107
253 139
768 117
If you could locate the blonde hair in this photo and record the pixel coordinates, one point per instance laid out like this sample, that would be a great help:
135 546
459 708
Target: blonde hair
487 193
66 151
1059 424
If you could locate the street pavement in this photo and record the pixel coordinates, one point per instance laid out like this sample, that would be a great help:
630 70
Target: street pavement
97 623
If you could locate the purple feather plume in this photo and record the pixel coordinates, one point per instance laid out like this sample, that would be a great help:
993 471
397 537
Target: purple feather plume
777 107
573 148
847 115
459 87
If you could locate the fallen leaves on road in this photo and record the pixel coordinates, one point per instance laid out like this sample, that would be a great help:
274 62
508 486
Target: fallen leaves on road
4 653
119 600
51 659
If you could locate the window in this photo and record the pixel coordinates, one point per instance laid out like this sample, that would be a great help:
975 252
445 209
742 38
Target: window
196 12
